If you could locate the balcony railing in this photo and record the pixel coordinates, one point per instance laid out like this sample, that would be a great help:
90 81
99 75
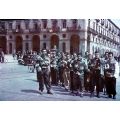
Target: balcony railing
54 29
17 31
72 29
35 30
91 30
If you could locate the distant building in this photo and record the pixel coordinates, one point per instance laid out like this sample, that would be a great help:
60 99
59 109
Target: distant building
69 35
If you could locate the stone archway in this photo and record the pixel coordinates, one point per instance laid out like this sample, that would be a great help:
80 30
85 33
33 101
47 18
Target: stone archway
19 44
74 44
3 43
36 43
54 41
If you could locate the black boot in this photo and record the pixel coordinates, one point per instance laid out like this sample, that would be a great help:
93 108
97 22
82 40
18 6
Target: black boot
98 96
110 96
114 96
49 92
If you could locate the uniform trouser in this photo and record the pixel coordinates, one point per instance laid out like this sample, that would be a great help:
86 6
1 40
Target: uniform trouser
71 80
95 81
54 76
61 75
86 83
2 59
40 80
66 77
78 82
44 78
111 85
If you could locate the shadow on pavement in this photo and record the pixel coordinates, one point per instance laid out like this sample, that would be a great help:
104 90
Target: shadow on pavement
30 91
32 80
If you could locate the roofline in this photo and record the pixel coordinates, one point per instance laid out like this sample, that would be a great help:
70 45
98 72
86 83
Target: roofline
113 23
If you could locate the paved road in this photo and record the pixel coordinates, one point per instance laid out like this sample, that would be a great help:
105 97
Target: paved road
17 84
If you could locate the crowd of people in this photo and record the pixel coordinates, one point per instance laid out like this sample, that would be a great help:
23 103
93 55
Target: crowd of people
77 74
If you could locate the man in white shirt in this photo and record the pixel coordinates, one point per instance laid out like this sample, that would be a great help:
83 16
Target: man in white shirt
112 73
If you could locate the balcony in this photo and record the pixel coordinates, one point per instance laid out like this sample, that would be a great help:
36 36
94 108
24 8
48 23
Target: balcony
108 38
91 30
100 34
17 31
54 29
74 29
38 30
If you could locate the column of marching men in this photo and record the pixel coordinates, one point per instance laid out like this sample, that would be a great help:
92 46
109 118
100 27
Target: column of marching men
78 75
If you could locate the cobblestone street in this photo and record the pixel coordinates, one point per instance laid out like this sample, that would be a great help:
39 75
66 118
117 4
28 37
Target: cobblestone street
17 84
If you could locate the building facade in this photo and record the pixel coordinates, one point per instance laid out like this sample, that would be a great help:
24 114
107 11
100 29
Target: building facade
69 35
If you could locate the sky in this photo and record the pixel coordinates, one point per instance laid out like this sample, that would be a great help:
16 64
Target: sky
116 21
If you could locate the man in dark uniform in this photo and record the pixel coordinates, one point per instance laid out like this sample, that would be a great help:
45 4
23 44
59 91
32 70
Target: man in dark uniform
61 67
105 59
72 62
79 68
45 65
67 72
39 76
96 76
112 73
54 68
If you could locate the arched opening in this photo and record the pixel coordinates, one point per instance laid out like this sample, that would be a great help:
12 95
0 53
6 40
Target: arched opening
54 41
36 43
19 44
64 47
3 43
74 44
10 48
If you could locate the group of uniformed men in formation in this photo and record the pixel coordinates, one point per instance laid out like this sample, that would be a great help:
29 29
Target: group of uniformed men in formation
75 73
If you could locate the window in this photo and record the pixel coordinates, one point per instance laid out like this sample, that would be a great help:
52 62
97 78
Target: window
27 25
27 36
64 47
10 25
74 22
54 23
64 35
18 26
36 26
27 46
44 45
94 25
99 29
3 26
64 24
88 22
44 36
93 39
10 36
44 21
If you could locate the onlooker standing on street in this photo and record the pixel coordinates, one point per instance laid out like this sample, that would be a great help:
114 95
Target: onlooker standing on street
112 73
